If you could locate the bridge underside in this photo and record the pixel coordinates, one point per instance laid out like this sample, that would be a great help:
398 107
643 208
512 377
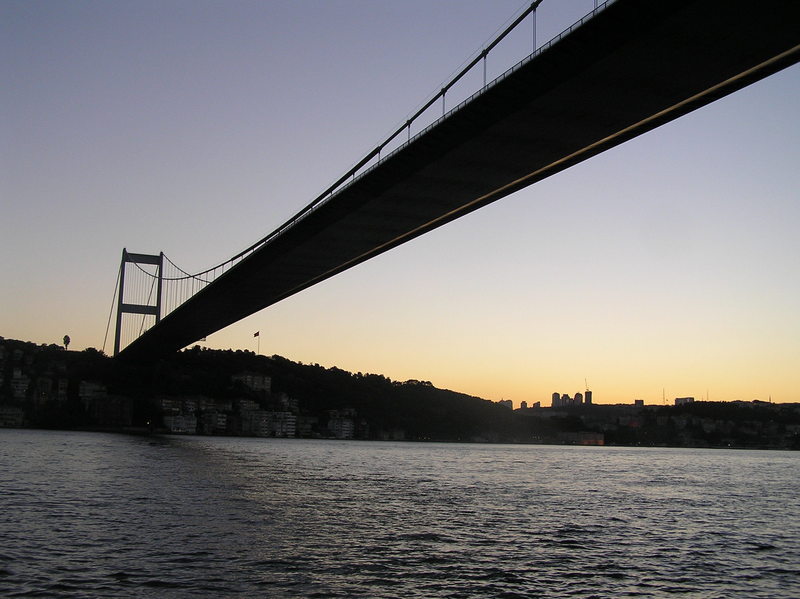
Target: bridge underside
633 67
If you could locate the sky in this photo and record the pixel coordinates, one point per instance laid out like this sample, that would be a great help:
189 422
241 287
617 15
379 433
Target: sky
666 267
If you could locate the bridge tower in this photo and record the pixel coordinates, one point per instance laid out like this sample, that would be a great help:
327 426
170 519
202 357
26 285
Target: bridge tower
131 308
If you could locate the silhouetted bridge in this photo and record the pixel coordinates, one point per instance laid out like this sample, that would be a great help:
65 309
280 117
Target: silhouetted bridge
626 68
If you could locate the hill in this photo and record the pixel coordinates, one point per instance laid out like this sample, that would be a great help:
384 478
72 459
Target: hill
203 391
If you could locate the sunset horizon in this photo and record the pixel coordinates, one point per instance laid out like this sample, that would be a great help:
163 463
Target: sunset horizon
661 268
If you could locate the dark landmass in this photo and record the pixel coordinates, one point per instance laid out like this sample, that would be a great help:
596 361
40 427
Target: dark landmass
201 391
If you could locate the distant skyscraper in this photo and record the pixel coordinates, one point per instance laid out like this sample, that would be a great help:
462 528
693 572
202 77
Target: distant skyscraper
588 398
523 404
578 398
556 400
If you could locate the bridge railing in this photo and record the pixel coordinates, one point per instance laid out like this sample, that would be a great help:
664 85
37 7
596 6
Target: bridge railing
359 171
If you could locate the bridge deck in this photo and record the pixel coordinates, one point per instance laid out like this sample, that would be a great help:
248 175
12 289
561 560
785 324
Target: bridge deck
633 67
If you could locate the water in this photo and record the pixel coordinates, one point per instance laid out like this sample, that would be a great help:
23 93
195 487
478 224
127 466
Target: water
96 515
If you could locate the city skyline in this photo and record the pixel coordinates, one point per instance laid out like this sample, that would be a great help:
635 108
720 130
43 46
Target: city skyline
663 266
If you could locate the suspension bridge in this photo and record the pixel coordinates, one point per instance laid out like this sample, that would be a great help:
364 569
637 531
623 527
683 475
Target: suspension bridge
624 69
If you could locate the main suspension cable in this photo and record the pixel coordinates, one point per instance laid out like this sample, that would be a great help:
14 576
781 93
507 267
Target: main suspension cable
328 193
111 312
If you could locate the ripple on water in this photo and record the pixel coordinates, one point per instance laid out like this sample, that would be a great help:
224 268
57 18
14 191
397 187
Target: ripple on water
102 515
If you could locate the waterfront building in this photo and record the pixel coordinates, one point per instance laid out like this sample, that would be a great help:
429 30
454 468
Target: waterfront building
62 384
90 392
11 416
223 405
283 424
212 422
247 405
113 410
181 423
340 424
581 438
263 423
43 391
19 384
221 424
289 403
205 404
170 405
256 423
305 425
254 381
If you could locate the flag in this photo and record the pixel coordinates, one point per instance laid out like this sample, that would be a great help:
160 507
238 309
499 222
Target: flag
256 333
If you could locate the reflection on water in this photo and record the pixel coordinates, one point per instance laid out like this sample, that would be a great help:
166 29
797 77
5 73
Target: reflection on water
94 515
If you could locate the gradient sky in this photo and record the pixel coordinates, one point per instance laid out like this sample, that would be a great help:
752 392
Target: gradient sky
669 263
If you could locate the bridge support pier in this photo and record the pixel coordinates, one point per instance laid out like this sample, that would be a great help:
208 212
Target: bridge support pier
126 308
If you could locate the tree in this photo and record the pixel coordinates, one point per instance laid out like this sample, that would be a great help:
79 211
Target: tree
66 341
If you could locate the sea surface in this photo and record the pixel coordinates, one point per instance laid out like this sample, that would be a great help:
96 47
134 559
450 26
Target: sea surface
95 515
